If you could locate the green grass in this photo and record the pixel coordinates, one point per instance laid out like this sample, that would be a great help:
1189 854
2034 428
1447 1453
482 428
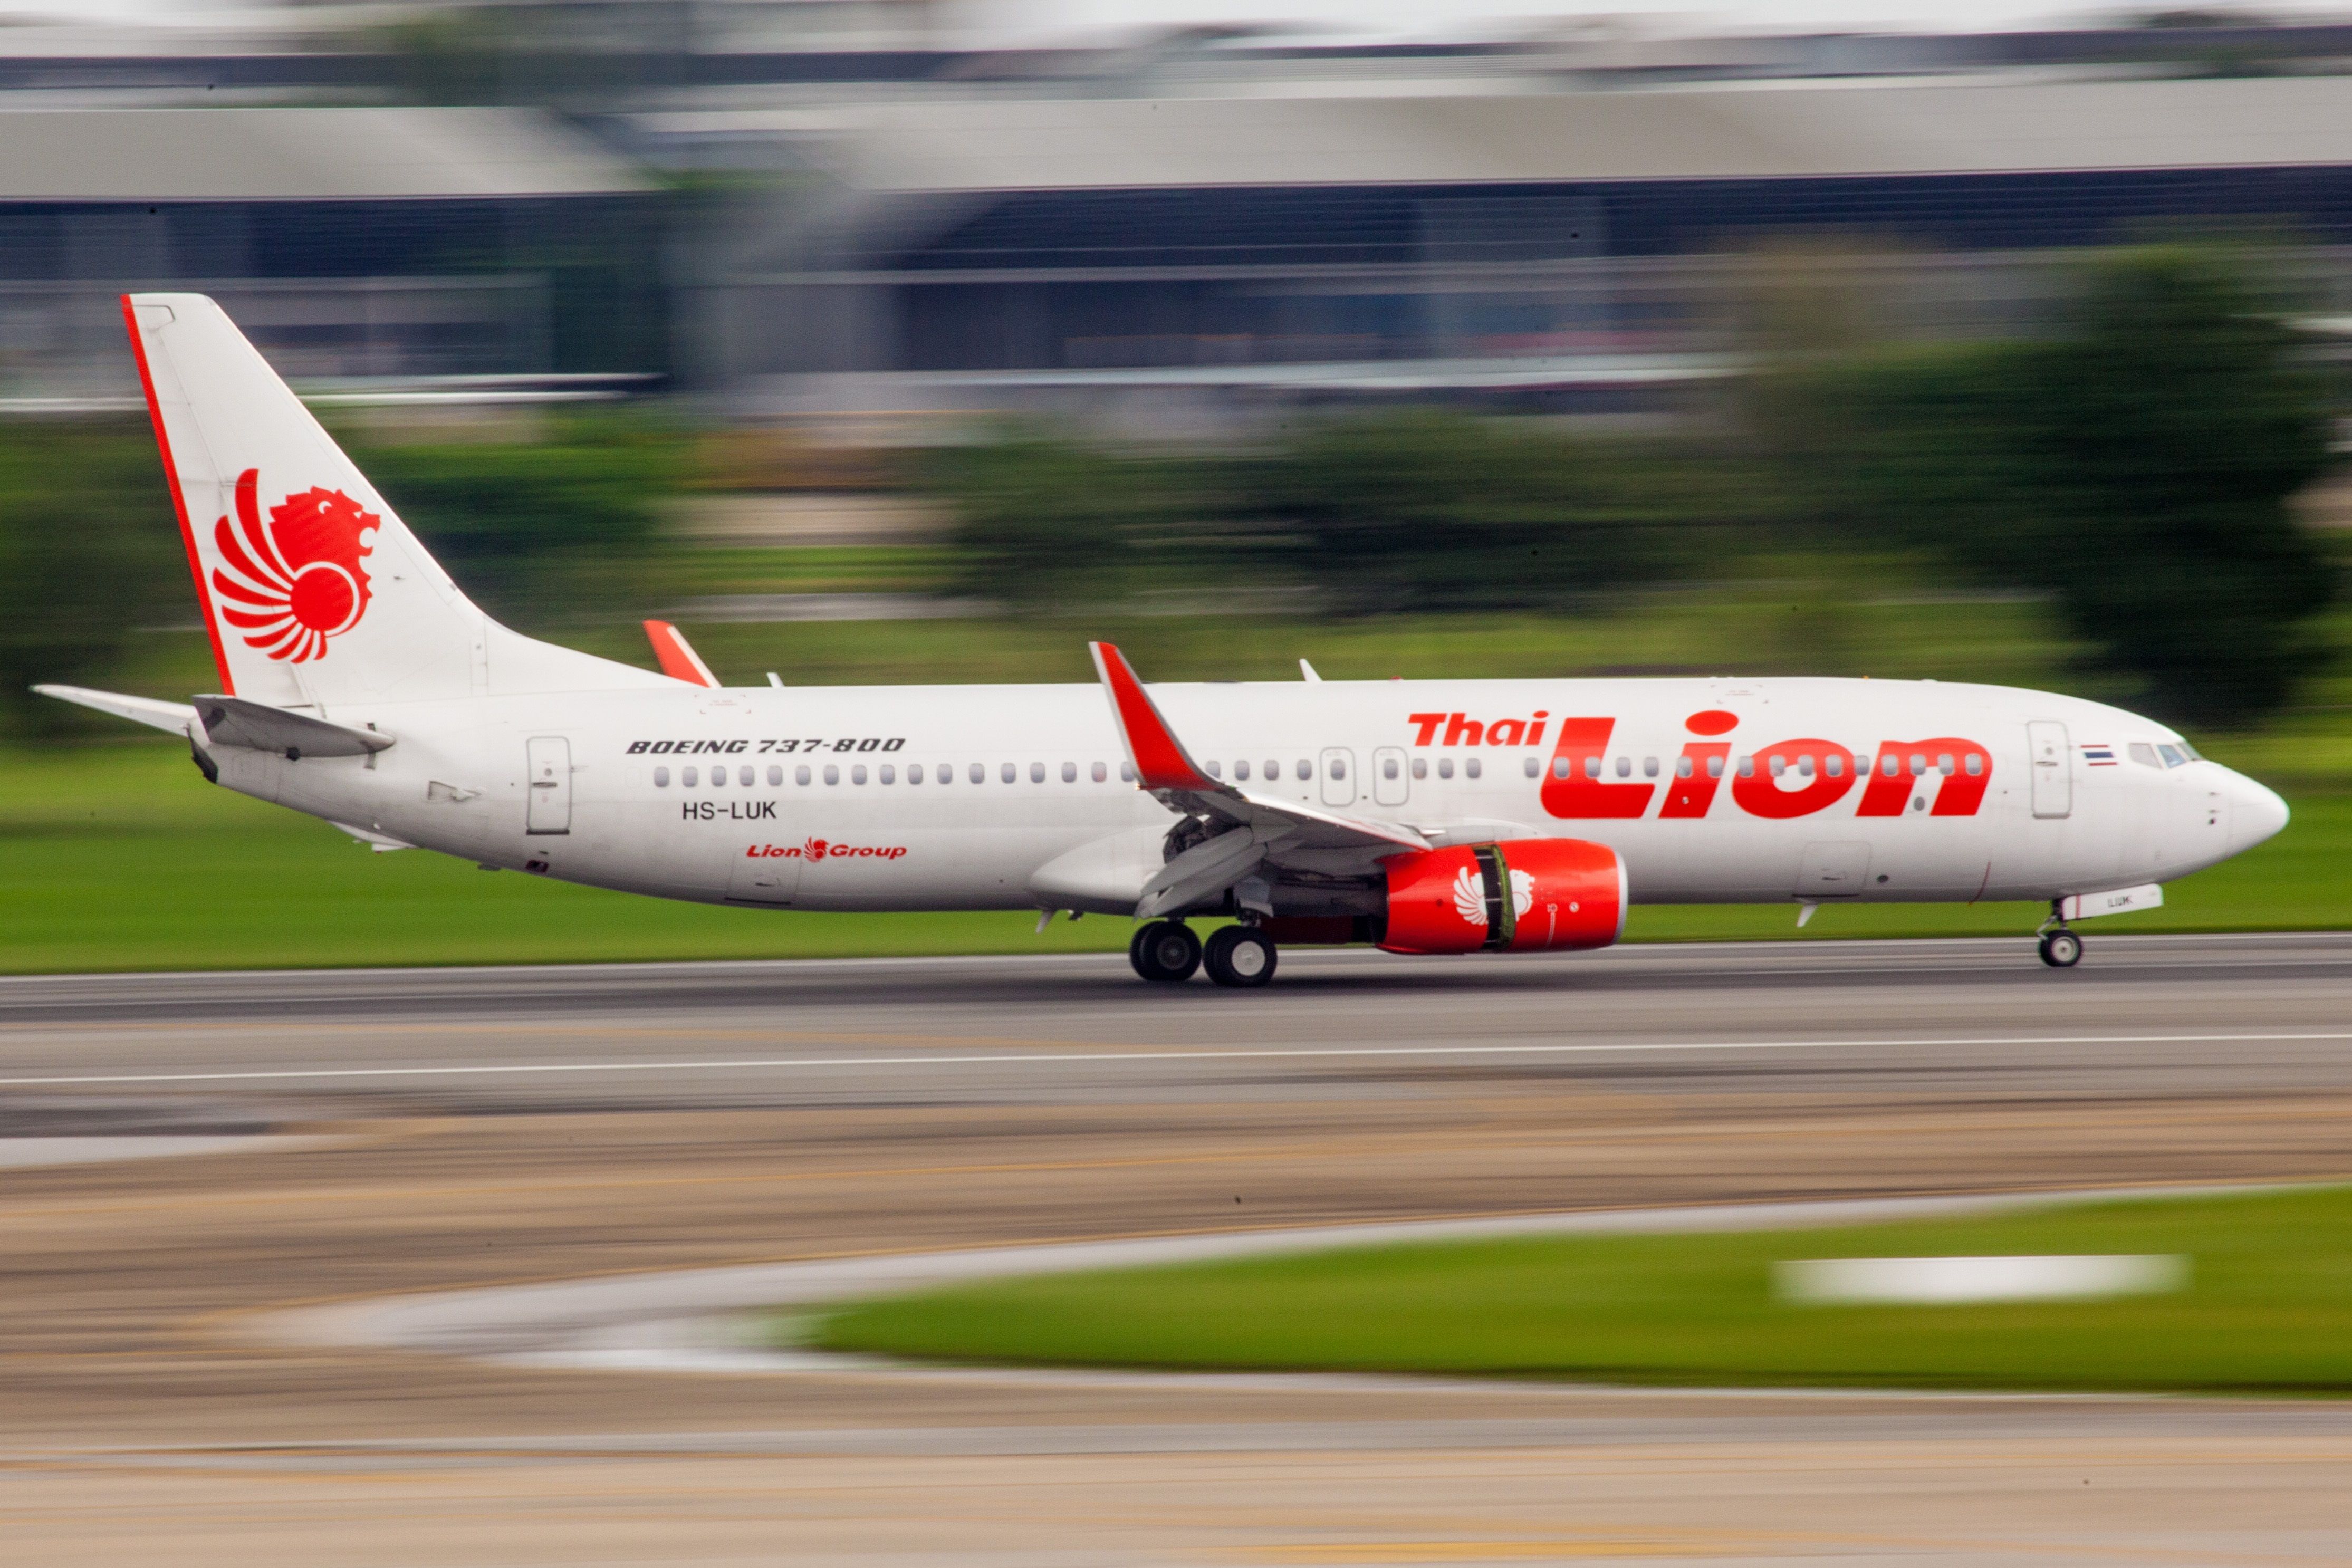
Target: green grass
120 857
2269 1308
114 854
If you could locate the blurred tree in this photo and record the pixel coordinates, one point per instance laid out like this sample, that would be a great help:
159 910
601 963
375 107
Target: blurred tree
2136 466
1045 523
541 533
1432 511
90 551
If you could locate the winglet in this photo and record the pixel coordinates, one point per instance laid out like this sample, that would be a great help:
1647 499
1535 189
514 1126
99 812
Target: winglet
678 660
1160 760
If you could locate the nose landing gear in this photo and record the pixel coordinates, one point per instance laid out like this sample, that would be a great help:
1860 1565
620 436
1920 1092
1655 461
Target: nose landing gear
2060 948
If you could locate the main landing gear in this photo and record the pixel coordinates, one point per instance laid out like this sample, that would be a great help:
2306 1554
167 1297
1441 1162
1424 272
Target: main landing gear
1166 952
2061 948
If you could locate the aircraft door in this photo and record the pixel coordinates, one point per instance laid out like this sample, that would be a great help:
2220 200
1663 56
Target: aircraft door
1390 784
1339 775
2054 767
548 762
765 874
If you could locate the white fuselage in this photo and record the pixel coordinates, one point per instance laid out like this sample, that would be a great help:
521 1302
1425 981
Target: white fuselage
807 798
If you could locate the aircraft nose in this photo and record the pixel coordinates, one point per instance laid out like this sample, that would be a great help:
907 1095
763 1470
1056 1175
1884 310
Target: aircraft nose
2256 812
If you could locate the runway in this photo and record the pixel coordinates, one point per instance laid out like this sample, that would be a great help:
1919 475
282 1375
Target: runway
389 1132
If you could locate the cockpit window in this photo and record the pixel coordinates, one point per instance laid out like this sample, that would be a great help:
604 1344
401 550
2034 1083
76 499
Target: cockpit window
2143 754
2171 755
2189 751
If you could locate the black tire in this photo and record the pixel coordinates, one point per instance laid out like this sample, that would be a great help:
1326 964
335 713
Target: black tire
1165 952
1241 957
2061 949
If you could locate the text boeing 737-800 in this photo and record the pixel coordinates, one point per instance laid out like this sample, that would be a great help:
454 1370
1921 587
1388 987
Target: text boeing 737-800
359 685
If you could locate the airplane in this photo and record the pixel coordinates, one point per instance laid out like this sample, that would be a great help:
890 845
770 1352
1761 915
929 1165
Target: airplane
359 685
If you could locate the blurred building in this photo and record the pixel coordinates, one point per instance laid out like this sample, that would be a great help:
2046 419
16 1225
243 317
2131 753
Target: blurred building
349 242
851 205
995 248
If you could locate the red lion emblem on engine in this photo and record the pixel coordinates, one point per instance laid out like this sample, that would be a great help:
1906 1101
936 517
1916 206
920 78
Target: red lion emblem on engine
301 579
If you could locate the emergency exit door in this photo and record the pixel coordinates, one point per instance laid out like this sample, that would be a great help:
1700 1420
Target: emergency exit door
2054 767
550 810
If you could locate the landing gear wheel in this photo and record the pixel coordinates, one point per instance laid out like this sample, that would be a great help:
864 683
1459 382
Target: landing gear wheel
2061 949
1165 951
1240 955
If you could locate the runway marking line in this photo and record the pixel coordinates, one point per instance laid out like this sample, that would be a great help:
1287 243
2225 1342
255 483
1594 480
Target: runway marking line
1218 1054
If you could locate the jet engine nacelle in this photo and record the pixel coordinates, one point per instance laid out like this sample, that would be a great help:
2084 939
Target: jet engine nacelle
1529 895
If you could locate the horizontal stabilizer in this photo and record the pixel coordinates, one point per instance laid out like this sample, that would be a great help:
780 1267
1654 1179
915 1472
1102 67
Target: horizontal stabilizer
172 716
257 727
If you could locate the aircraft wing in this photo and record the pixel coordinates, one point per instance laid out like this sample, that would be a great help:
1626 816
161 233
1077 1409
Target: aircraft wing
1163 767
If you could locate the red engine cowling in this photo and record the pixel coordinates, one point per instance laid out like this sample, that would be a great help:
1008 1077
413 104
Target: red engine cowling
1529 895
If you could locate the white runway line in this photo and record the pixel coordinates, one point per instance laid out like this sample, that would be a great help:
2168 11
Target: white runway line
1064 1058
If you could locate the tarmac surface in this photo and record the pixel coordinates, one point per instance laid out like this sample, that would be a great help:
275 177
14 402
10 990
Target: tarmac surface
377 1134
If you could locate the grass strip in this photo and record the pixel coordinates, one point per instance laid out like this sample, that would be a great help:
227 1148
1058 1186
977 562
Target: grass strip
2268 1311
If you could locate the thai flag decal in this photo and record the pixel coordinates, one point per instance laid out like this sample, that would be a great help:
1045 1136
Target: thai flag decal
2098 754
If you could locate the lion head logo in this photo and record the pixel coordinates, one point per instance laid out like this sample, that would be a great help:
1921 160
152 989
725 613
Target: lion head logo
814 850
301 579
1470 895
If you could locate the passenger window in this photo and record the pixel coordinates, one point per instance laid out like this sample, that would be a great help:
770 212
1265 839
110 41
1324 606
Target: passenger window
889 775
1389 767
1592 767
801 774
1918 766
1804 767
1338 768
1944 764
1624 767
775 776
1559 768
743 776
1421 767
1975 765
1101 773
1747 768
1273 771
1533 767
1683 768
1649 768
1715 766
718 777
1037 773
689 778
914 773
1862 764
1070 772
1777 767
661 777
1305 769
1445 768
832 774
1010 773
1888 767
2141 752
1216 770
1834 764
1240 769
1126 772
1470 767
858 774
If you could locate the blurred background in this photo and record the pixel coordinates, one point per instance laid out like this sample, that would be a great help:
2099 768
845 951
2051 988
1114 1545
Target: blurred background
915 341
